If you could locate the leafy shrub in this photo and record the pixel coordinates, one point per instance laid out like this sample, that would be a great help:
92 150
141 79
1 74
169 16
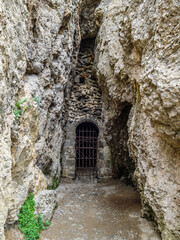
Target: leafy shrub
29 223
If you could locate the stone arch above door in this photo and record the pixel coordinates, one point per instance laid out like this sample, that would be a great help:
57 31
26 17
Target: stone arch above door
69 149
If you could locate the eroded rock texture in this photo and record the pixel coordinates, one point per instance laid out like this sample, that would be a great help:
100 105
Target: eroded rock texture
88 24
39 45
137 60
46 202
137 63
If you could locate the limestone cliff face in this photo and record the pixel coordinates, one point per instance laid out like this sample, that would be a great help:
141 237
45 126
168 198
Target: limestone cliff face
137 61
13 64
39 45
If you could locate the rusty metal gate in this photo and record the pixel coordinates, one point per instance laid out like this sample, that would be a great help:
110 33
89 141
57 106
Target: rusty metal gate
86 149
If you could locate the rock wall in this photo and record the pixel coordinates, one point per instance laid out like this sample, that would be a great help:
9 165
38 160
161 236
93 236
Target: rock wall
88 24
137 64
13 63
137 68
39 46
52 54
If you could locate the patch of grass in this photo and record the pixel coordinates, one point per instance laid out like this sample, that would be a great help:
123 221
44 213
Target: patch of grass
29 223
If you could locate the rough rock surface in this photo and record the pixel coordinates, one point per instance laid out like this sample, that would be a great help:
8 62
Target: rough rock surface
137 62
13 233
46 202
52 51
39 45
88 24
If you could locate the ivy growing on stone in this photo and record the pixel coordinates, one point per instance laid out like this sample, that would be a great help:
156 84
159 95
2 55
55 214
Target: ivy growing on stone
29 223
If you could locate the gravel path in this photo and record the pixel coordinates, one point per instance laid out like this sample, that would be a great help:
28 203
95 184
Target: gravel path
102 211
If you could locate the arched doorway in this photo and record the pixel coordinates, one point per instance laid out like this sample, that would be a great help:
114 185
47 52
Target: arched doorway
86 149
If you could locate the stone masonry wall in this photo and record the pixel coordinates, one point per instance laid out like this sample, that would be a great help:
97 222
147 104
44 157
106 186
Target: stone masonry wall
85 105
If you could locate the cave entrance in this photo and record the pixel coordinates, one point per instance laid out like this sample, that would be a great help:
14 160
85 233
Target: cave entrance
86 149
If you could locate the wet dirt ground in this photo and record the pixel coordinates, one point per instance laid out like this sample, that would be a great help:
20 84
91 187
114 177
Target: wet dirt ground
98 211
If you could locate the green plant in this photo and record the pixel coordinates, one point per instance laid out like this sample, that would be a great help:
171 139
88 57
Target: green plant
36 99
54 184
19 108
46 223
29 223
112 160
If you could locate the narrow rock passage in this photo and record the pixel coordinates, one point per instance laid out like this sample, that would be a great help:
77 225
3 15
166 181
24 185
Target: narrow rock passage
101 211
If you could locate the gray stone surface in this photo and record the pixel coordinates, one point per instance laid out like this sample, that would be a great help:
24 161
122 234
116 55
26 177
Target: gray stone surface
137 61
88 24
46 202
39 44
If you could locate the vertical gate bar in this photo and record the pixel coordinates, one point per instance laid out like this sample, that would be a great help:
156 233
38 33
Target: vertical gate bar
91 151
93 147
79 147
89 142
86 149
89 135
89 145
85 153
82 146
85 144
96 147
88 128
95 152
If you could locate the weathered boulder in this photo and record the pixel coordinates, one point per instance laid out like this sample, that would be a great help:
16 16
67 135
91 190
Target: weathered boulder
45 201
